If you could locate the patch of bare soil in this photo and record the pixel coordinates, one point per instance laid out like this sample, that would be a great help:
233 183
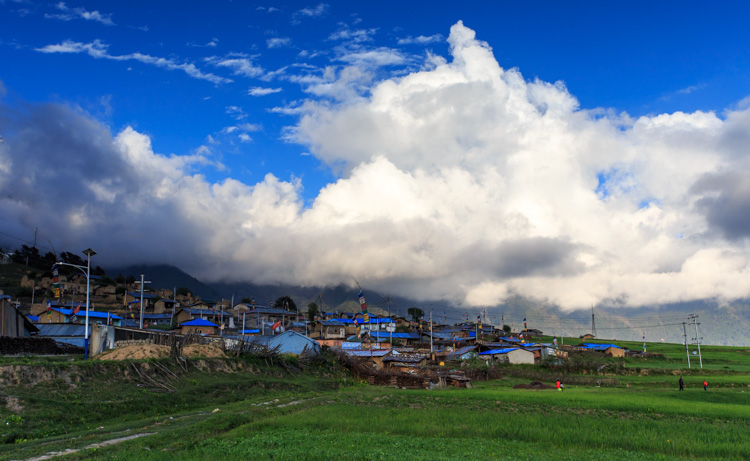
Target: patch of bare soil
135 351
208 351
13 404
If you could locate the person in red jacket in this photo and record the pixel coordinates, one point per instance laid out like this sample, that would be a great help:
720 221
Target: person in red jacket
705 385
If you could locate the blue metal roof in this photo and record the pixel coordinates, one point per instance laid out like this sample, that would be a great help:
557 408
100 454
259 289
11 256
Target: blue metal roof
599 347
387 335
199 323
253 331
498 351
332 323
82 313
156 316
510 339
362 321
463 350
145 295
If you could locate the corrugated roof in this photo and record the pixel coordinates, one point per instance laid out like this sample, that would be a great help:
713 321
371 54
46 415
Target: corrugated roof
367 353
387 335
405 358
205 311
156 316
61 329
270 311
463 350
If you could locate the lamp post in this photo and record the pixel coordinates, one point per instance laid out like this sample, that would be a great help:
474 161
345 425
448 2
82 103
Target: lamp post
87 272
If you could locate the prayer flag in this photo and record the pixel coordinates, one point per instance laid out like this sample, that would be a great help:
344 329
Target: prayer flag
56 280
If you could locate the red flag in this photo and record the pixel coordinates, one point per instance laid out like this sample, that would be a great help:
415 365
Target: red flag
75 311
276 325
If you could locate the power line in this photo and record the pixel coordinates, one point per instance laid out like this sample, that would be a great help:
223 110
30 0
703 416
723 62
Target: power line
27 241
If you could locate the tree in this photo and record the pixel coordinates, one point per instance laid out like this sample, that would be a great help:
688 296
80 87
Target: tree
312 311
506 328
72 258
49 260
402 329
182 291
27 255
248 301
416 313
286 303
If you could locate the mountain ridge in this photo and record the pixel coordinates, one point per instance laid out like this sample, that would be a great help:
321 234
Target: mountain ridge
718 324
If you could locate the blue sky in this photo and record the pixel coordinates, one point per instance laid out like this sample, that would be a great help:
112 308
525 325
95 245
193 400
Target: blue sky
263 115
636 58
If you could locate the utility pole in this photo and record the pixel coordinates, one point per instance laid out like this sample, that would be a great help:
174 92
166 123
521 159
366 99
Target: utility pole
593 324
388 300
142 283
430 331
687 352
694 318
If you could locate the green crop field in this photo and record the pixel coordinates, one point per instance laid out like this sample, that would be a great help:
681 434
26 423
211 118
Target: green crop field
249 408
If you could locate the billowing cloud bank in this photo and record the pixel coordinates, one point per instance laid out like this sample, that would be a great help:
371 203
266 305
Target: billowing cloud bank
462 181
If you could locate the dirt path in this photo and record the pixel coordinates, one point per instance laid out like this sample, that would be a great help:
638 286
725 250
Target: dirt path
55 454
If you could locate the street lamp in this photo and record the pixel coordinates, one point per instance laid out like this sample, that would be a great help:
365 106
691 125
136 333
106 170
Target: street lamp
87 272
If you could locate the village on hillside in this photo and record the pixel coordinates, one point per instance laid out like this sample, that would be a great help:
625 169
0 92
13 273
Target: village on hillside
127 313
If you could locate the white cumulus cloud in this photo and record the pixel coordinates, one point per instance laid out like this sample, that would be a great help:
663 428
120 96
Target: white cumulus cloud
462 181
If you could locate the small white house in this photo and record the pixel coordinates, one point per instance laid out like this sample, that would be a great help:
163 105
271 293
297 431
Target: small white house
513 355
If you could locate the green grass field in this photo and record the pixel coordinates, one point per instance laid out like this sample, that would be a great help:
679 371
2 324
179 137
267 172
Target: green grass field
261 411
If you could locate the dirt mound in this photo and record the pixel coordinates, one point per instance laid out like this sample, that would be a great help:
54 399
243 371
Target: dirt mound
135 351
208 351
533 385
153 351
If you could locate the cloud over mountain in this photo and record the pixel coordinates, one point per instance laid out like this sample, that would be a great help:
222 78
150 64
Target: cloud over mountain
461 181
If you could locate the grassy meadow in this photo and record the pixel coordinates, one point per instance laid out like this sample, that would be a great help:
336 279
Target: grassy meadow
246 408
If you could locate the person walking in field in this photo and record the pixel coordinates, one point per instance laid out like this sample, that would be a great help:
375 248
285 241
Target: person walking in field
681 383
558 385
705 385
